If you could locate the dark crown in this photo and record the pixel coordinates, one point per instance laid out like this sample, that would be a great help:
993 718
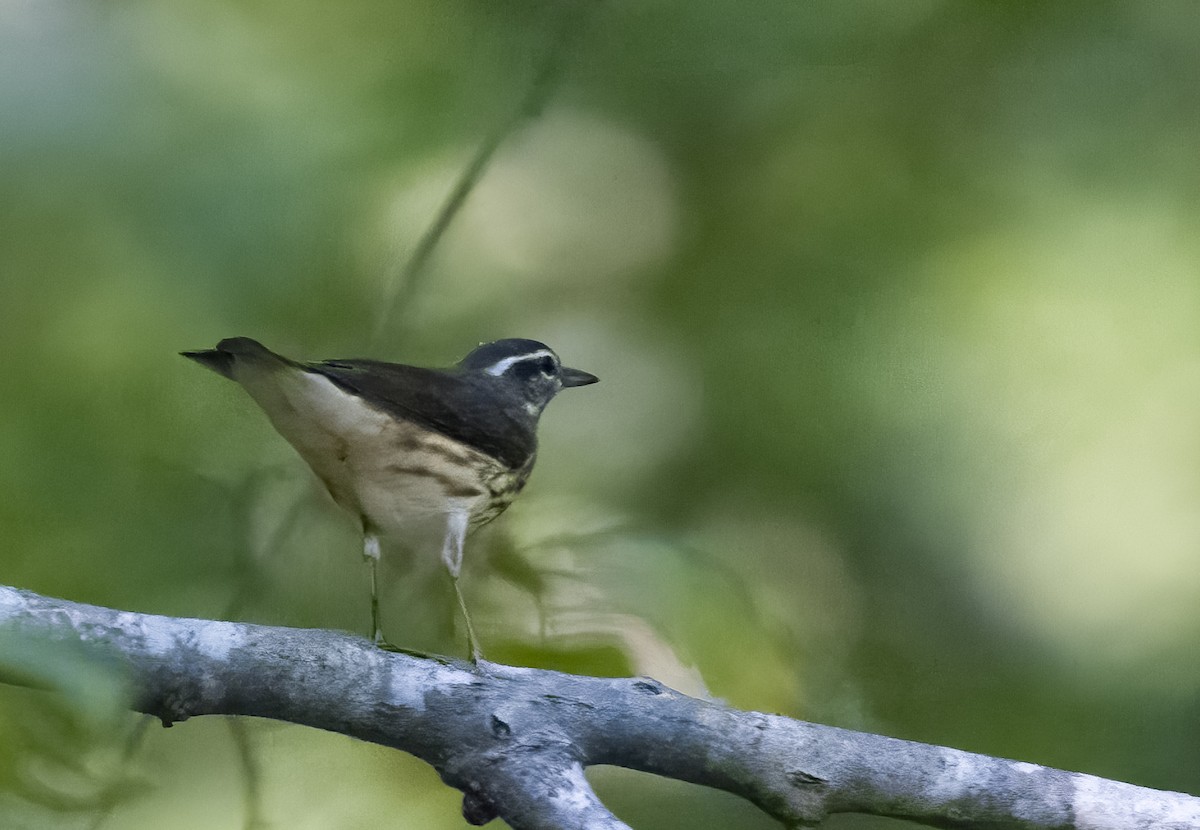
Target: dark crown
486 355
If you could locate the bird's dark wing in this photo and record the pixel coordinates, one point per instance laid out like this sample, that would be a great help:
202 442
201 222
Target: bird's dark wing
457 406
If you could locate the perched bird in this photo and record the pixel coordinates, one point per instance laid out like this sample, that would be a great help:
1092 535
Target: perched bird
416 454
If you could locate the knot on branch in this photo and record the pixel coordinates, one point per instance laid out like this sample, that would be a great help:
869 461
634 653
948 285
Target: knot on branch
500 728
648 686
172 708
477 809
804 779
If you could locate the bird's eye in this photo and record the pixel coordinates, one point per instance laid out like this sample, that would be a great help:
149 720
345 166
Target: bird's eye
531 367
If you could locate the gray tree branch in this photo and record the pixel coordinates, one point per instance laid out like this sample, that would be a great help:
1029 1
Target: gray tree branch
516 741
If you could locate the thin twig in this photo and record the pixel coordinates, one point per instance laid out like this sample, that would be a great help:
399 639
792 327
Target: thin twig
112 797
253 818
409 278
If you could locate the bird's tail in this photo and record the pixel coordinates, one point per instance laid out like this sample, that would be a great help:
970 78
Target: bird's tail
231 350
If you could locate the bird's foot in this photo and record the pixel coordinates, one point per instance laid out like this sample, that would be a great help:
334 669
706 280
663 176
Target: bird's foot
384 645
381 642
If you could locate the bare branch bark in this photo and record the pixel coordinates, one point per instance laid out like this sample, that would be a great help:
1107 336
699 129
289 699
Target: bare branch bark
516 741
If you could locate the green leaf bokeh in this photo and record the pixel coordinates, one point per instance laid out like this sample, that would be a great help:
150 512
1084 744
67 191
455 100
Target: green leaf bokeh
896 307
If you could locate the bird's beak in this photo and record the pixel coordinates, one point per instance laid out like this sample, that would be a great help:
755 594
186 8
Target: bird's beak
577 377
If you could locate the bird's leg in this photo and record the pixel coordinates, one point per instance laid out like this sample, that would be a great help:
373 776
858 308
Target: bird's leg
452 556
472 640
371 554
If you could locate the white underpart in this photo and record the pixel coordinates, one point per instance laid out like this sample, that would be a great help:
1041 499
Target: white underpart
501 366
308 409
456 534
363 455
371 546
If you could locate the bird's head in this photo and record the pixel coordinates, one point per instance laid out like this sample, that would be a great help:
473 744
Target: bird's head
527 369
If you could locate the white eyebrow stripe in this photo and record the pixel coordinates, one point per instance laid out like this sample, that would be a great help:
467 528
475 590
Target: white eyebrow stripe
501 366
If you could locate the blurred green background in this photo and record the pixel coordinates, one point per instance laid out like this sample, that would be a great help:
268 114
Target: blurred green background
896 307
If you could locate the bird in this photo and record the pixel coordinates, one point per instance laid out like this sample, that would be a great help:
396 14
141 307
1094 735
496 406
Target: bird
422 455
